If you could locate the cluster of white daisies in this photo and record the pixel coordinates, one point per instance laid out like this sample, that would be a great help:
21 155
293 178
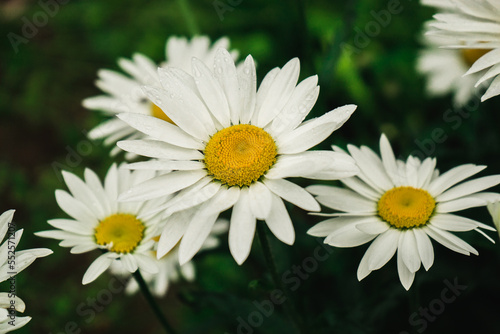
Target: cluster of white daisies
214 141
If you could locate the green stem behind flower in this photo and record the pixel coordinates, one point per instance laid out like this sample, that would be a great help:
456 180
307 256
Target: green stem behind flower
186 11
152 303
278 282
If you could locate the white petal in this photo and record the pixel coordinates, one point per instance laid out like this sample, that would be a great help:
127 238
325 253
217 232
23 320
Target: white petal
260 200
161 130
314 131
452 177
211 92
196 234
425 249
279 92
178 112
74 208
346 200
469 187
173 231
311 164
247 80
279 221
159 149
97 268
242 228
382 249
406 276
292 193
225 72
409 251
162 185
450 241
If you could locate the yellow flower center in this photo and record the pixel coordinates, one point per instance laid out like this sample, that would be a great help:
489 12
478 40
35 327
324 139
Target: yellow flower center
471 55
240 154
158 113
406 207
122 231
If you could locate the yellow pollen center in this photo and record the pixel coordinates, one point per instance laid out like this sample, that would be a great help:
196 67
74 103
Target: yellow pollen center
240 154
122 231
406 207
158 113
471 55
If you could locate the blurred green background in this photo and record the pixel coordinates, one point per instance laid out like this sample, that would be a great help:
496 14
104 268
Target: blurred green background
43 125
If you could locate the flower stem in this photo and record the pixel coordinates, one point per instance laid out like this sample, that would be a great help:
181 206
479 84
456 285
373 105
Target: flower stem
271 264
188 17
152 303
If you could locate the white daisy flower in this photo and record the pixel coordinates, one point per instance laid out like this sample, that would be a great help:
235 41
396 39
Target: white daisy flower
123 93
169 269
233 146
473 27
13 262
444 69
124 231
399 205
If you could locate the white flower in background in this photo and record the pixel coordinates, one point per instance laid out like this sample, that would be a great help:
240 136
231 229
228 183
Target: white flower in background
124 231
233 147
169 269
13 263
474 28
444 69
400 206
123 93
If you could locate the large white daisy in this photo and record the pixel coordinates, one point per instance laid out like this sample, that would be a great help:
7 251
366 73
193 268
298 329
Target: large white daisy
400 206
123 93
474 27
233 146
12 262
123 231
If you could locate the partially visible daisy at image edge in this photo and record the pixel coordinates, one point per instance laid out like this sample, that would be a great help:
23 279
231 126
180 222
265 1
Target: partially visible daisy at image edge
123 231
474 28
123 93
401 206
10 266
233 147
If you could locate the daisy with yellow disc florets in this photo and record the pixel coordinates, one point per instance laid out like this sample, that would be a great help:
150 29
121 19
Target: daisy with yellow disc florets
401 206
123 93
233 147
124 231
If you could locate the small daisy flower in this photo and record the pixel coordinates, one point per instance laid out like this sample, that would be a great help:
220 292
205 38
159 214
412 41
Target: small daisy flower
473 28
401 206
13 262
124 231
169 269
444 69
123 93
233 147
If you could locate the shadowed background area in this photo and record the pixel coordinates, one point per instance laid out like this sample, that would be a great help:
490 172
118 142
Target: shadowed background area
49 58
